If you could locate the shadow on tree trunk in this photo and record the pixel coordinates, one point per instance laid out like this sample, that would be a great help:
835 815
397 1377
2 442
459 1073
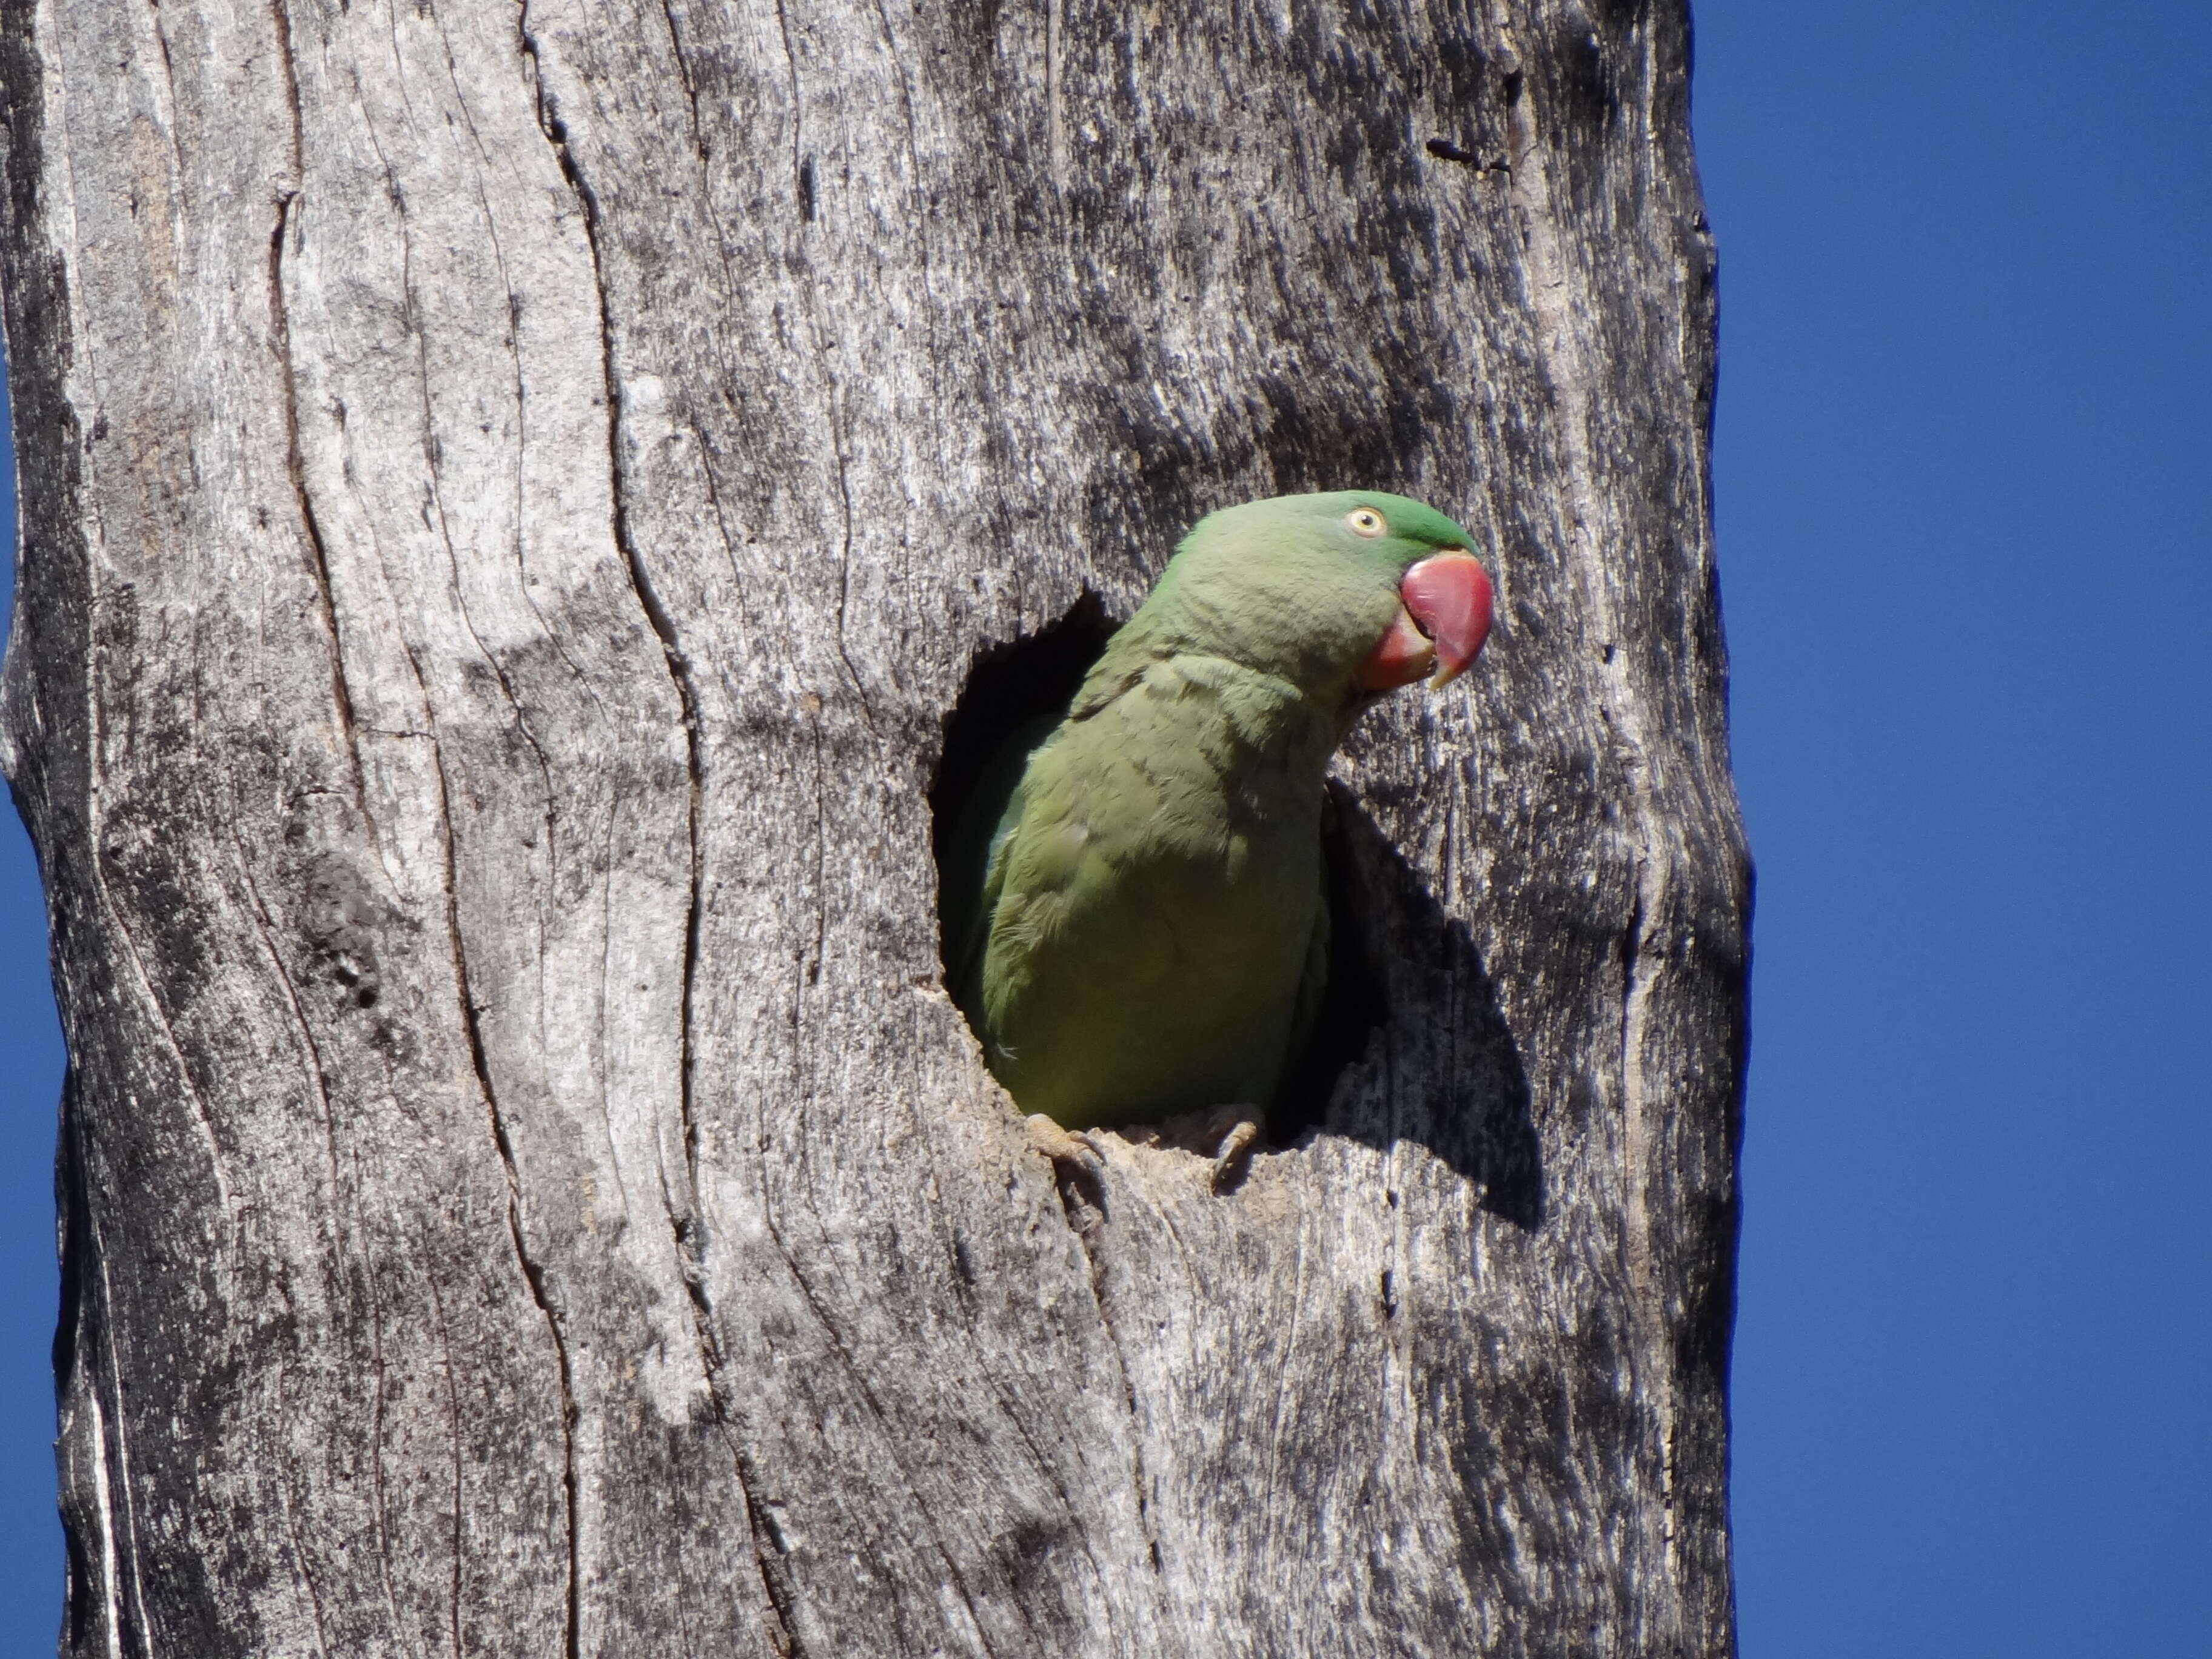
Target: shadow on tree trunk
1404 975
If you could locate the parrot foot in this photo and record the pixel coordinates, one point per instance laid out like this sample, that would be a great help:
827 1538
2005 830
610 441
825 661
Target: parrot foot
1078 1169
1227 1133
1070 1152
1234 1154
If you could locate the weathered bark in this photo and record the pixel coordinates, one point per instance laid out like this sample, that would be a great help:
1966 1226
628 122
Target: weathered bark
509 498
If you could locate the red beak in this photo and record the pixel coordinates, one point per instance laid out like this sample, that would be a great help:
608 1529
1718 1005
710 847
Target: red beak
1444 616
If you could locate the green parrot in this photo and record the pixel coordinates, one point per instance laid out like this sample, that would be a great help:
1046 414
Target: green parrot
1143 934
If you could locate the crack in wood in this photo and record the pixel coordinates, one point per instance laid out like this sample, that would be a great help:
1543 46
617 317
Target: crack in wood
533 1273
777 1581
1082 1221
294 460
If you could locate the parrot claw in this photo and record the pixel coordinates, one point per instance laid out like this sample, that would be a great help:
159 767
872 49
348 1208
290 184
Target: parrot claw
1070 1152
1226 1133
1234 1154
1078 1169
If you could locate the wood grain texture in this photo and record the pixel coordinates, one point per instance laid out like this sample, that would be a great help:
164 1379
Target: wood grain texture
510 497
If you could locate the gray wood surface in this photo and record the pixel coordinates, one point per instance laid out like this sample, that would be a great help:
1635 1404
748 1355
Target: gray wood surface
509 498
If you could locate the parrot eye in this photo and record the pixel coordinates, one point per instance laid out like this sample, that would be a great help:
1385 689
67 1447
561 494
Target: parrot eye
1365 521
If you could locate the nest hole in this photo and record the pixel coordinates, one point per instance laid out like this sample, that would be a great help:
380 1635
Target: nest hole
1010 685
1022 686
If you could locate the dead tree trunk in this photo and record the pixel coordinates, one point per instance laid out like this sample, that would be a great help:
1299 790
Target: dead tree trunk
510 497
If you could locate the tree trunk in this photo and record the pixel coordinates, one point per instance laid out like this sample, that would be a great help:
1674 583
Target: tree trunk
510 498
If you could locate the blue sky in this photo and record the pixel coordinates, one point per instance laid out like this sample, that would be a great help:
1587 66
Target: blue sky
1964 497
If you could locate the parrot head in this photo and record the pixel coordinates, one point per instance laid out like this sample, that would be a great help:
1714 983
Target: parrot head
1346 595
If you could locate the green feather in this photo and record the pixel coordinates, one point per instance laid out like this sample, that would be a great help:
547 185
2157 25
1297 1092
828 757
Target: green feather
1143 932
